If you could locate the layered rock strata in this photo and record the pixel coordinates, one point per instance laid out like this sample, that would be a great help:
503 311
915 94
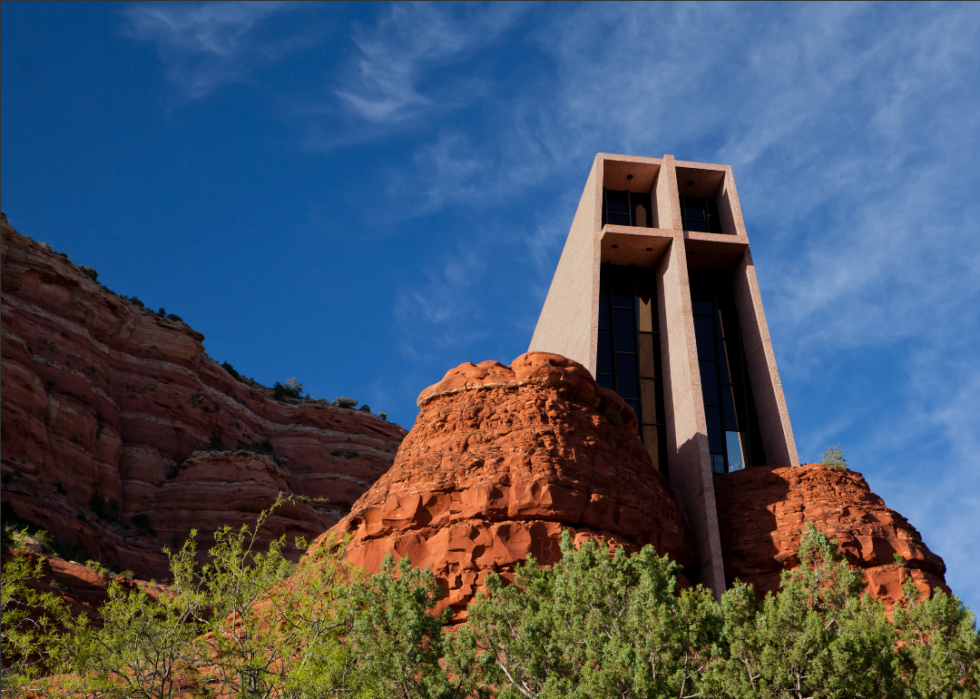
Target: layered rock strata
104 398
762 511
503 459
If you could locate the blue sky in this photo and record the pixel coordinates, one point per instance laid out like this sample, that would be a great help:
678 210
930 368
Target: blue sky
365 196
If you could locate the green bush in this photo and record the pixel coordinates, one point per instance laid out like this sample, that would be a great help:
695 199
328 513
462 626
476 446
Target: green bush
89 272
344 402
596 623
365 408
383 416
834 457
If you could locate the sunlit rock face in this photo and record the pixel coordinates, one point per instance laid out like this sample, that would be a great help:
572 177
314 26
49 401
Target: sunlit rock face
500 461
103 397
762 510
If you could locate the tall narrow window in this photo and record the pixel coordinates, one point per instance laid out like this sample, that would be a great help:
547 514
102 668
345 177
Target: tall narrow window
729 411
700 214
626 208
628 356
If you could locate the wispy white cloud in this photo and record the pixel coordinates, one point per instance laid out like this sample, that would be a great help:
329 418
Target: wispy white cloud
204 45
389 81
855 155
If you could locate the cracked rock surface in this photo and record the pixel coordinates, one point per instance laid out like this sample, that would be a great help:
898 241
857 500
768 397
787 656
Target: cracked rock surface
500 461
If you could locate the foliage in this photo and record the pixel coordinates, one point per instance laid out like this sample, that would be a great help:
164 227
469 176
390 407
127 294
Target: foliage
940 655
89 272
33 641
292 389
344 402
366 408
598 623
383 416
595 624
834 457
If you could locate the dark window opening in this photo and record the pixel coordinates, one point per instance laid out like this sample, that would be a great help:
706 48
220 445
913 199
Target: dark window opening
628 352
729 410
700 214
626 209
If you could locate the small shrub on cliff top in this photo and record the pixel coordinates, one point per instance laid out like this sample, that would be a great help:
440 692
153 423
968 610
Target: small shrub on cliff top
834 458
365 408
89 272
344 402
383 416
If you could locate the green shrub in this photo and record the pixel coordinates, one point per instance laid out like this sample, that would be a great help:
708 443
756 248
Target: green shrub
344 402
89 272
365 408
834 457
383 416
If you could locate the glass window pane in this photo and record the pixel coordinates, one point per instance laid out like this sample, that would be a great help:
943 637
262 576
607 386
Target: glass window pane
606 381
728 403
648 397
622 296
636 411
733 441
733 365
699 226
604 363
657 365
604 310
626 379
716 441
645 354
705 308
694 215
619 219
709 383
644 298
718 463
616 207
651 440
704 332
625 332
729 321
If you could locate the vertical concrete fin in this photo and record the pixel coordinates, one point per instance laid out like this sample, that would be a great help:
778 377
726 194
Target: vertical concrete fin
567 324
689 460
767 390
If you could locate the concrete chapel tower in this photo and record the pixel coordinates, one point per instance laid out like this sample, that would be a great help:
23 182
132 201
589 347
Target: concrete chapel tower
657 296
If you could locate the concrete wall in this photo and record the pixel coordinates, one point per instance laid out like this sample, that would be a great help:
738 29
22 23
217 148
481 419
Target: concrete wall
569 319
767 390
567 324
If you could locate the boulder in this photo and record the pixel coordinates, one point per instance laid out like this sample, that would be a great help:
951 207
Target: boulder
502 460
762 510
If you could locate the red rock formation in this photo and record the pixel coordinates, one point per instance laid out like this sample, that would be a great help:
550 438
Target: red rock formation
102 396
500 461
762 510
81 588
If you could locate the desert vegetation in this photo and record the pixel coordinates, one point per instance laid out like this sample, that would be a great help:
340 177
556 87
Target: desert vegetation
599 623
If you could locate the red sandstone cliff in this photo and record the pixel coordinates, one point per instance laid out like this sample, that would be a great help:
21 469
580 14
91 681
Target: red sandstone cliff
762 510
102 396
500 461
